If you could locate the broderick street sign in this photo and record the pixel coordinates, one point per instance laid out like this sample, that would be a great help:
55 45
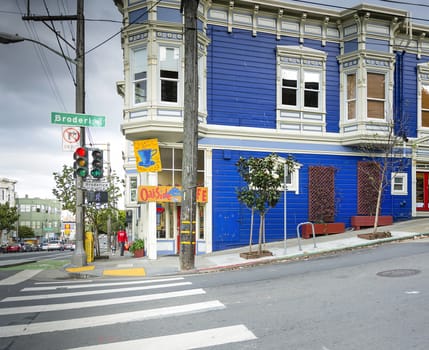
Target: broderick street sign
90 185
76 119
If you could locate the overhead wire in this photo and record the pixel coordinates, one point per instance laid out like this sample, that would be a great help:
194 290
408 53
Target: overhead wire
58 37
31 30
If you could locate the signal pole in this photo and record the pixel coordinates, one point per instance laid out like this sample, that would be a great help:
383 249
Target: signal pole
79 255
190 138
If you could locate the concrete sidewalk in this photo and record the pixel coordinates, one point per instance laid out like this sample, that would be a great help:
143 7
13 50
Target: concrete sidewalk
127 265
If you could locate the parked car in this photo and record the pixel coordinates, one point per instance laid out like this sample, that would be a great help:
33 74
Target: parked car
69 246
25 247
44 246
55 245
13 248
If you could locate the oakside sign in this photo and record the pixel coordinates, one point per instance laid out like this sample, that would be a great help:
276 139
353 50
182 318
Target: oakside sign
168 194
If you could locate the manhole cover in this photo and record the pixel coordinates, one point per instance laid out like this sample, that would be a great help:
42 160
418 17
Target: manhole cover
398 273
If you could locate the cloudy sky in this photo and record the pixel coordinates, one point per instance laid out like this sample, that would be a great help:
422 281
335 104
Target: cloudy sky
35 82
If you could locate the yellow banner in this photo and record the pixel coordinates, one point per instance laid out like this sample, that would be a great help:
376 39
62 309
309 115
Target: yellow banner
147 155
168 194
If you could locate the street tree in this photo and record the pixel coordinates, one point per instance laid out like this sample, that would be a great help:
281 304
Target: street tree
8 218
386 159
25 232
264 178
96 214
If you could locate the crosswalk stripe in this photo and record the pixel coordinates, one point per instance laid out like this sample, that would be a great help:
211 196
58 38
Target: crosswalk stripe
19 277
183 341
95 321
92 292
84 304
124 283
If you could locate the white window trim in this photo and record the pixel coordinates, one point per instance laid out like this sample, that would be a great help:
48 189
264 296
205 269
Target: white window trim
302 59
180 85
346 100
387 98
133 81
422 80
404 177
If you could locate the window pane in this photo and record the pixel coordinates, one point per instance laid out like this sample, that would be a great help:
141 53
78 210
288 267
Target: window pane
425 96
289 97
169 58
169 91
376 109
375 87
140 61
351 110
351 86
311 99
425 119
311 80
169 74
140 92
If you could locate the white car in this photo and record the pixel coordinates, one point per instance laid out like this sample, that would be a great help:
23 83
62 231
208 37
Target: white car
55 245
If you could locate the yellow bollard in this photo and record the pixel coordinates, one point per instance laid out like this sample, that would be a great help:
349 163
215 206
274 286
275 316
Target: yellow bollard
89 247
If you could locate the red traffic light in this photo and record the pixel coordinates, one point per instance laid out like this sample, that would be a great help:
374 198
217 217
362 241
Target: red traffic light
80 152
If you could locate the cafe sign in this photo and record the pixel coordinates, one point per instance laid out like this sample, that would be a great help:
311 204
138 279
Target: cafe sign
168 194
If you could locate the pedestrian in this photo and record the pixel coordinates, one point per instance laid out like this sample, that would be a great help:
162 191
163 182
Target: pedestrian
122 239
113 248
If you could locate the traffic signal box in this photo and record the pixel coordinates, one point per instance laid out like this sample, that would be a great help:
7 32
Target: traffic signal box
81 162
97 164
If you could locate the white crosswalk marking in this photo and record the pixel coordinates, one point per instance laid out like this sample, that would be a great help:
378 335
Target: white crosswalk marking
19 277
183 341
73 308
95 321
103 302
93 292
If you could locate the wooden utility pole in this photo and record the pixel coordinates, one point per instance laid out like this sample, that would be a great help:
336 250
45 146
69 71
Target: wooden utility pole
190 138
79 255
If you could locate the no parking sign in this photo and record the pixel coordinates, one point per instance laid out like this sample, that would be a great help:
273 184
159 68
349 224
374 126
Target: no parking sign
71 138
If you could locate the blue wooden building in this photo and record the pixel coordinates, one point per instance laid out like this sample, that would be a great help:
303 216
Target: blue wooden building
332 89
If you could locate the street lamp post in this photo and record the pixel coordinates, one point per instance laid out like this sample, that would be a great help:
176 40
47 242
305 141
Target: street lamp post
79 255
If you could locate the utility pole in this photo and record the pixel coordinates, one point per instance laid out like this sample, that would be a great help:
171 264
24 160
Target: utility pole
190 138
79 255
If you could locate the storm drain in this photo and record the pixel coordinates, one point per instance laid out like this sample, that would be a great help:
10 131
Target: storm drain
398 273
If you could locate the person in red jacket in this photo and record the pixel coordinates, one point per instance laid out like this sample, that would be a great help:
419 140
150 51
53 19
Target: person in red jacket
122 239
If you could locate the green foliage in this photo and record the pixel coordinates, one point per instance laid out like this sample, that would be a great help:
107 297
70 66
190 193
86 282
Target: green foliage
25 232
136 245
264 177
8 217
95 214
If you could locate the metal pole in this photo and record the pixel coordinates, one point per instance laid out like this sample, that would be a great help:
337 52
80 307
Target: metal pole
284 209
79 255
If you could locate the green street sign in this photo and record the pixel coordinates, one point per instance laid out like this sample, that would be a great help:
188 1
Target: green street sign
76 119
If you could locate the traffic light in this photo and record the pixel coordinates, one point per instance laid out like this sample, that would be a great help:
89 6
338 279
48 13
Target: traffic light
97 164
81 162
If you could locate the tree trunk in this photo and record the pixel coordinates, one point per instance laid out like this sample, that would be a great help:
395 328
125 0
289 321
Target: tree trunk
261 233
251 230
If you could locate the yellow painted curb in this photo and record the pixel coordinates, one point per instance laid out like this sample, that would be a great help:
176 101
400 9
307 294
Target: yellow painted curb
80 269
138 271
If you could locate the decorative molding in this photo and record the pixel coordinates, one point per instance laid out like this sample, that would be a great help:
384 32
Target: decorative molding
169 36
137 37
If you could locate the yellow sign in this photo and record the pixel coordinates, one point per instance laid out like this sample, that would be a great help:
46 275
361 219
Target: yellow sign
147 155
168 194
